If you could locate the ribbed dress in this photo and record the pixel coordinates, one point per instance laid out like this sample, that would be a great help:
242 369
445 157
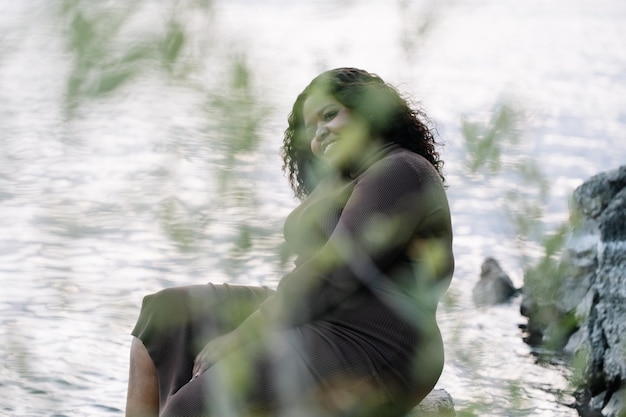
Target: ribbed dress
353 330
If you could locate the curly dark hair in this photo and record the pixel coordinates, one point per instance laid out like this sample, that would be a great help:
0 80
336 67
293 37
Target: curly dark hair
388 114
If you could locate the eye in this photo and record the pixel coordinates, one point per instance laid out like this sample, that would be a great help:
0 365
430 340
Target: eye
329 115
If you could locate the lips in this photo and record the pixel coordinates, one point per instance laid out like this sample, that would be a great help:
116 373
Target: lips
326 146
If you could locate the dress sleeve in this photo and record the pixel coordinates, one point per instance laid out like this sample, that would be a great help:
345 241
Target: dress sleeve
388 203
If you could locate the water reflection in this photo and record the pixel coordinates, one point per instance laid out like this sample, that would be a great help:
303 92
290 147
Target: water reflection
169 173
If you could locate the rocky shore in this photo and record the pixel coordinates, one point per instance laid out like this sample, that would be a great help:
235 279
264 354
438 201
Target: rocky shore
579 308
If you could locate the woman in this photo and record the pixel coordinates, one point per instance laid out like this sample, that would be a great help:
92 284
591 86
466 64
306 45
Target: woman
351 330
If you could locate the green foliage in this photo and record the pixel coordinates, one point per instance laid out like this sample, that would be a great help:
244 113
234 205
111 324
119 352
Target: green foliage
484 141
170 46
180 224
541 279
494 149
418 24
110 47
99 67
106 54
542 284
579 365
237 113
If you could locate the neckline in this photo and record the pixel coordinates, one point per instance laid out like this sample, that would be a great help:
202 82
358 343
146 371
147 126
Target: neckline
372 156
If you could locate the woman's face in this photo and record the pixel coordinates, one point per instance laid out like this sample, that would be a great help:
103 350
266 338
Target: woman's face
337 135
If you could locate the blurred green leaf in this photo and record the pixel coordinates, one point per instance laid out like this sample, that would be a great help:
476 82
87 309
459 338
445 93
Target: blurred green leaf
178 224
104 54
172 43
484 141
111 80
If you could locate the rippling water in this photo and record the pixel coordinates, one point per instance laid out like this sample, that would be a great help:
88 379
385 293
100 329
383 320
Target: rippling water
132 191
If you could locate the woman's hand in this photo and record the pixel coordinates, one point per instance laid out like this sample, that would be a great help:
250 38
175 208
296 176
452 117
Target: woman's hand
215 350
251 330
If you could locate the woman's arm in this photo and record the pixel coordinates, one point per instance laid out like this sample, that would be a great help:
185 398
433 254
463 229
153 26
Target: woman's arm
390 203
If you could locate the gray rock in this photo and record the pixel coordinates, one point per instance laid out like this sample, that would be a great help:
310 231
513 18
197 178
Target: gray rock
608 316
578 269
494 286
612 221
592 291
577 342
438 403
597 402
592 197
616 406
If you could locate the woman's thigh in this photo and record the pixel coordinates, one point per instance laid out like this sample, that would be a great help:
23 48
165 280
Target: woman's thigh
176 323
199 310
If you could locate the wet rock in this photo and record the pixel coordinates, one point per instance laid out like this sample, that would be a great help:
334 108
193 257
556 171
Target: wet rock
494 286
612 222
616 406
438 403
592 197
591 294
579 265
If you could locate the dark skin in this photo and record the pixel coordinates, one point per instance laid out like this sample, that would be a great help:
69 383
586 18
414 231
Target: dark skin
143 385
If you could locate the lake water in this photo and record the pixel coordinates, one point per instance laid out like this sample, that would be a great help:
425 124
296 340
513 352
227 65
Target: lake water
107 197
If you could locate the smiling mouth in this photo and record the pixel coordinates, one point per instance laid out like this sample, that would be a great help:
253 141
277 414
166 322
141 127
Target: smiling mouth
327 146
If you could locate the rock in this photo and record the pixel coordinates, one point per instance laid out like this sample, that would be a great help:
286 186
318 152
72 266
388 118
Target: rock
611 310
438 403
612 222
494 286
591 294
592 197
616 406
576 343
579 265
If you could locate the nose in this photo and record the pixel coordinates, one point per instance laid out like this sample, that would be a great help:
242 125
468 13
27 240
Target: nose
316 143
321 133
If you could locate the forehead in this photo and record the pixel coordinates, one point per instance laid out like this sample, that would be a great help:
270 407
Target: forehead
316 102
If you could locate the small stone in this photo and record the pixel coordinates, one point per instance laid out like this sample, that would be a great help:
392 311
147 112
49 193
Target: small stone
616 406
438 403
494 287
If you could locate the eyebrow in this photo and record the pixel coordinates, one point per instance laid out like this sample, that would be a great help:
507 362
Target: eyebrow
323 109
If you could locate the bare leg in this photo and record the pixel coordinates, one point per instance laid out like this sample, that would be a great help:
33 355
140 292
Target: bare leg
143 385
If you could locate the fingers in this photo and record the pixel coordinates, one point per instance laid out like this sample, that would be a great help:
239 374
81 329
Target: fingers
199 366
205 359
211 353
198 369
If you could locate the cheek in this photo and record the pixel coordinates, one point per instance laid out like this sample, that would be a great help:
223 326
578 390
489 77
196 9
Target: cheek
357 134
316 148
